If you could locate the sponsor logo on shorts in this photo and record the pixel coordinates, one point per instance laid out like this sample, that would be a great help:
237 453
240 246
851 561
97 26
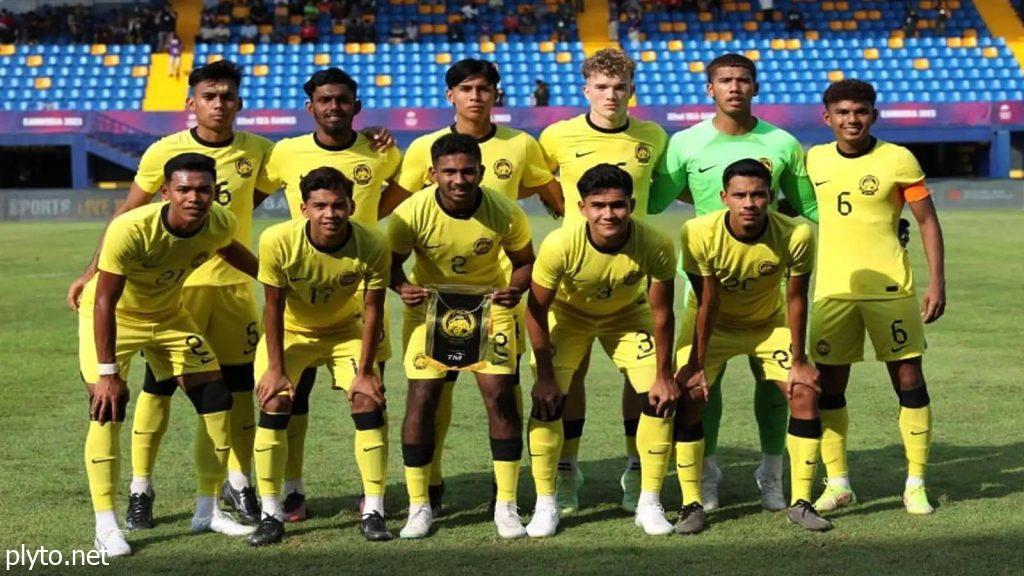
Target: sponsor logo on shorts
633 277
643 153
767 268
823 347
868 185
349 278
362 174
503 169
244 167
483 246
199 259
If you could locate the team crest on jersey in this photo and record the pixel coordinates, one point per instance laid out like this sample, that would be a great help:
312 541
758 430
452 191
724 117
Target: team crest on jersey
823 347
633 277
503 169
643 153
483 246
459 325
868 185
420 362
199 259
349 278
244 167
767 163
362 174
767 268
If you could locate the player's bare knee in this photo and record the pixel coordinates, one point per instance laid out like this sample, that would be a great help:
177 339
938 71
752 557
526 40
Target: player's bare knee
833 378
803 397
280 404
362 403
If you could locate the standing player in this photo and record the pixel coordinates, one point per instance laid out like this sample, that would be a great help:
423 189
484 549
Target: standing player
736 260
692 170
333 103
135 303
865 283
218 297
513 166
589 282
605 134
457 232
324 277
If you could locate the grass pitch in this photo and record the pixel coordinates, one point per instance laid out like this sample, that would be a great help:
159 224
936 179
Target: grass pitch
976 478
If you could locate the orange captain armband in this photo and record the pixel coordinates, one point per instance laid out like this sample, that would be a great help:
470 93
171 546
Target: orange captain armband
915 192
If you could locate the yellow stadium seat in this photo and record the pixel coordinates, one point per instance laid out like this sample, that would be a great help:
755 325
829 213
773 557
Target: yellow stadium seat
927 5
664 26
563 57
426 29
240 12
793 44
424 9
369 19
383 80
954 42
725 36
750 26
98 49
111 60
778 44
499 38
835 25
842 5
711 37
679 26
759 16
990 52
953 4
674 45
322 59
7 49
812 35
42 82
1016 173
970 33
924 24
295 19
443 58
871 53
828 6
729 7
860 15
835 75
367 48
643 36
440 28
33 61
850 25
214 58
744 6
897 34
294 40
453 18
487 47
247 48
754 55
970 42
875 15
260 70
922 64
140 71
547 46
705 17
648 56
439 9
895 43
352 48
696 66
268 28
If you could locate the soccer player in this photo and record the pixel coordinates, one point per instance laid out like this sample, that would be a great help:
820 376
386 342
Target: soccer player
134 303
324 277
513 165
737 259
218 297
604 134
590 281
457 232
692 170
865 283
333 102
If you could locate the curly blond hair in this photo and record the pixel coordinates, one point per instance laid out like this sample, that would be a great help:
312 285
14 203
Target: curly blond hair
610 62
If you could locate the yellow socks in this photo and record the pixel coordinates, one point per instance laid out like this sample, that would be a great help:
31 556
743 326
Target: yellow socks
689 441
654 443
916 429
102 463
507 454
545 447
271 453
371 450
213 441
152 412
243 432
835 423
804 444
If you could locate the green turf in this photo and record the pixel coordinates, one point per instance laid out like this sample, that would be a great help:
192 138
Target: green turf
976 478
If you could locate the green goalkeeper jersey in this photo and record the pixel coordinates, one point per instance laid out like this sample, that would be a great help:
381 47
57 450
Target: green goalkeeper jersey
696 158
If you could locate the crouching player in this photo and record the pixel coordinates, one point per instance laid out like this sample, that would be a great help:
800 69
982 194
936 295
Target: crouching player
134 304
314 271
591 281
736 260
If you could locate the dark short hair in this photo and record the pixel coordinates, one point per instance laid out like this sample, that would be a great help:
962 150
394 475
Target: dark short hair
327 76
450 144
219 70
732 60
469 67
746 167
605 177
190 162
850 89
325 178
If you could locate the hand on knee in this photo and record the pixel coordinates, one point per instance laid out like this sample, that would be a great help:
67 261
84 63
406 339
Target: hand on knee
281 404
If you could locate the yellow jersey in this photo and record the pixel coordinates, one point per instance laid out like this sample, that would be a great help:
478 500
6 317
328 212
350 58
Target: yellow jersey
594 282
512 160
241 163
574 146
749 272
860 199
155 262
456 250
323 290
367 168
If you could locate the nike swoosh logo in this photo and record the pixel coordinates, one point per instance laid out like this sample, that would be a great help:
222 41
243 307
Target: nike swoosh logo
810 463
912 433
148 265
706 168
206 360
102 460
223 449
261 451
299 279
897 349
822 182
249 427
686 465
642 356
372 448
141 433
582 154
657 453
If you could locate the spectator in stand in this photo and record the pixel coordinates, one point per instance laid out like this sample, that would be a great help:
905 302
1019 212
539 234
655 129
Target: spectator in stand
221 33
324 6
510 24
795 21
455 32
496 3
469 12
412 32
174 48
910 22
396 35
248 31
6 26
541 94
259 14
281 12
613 29
308 32
310 11
767 9
528 23
633 32
941 19
206 31
499 97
